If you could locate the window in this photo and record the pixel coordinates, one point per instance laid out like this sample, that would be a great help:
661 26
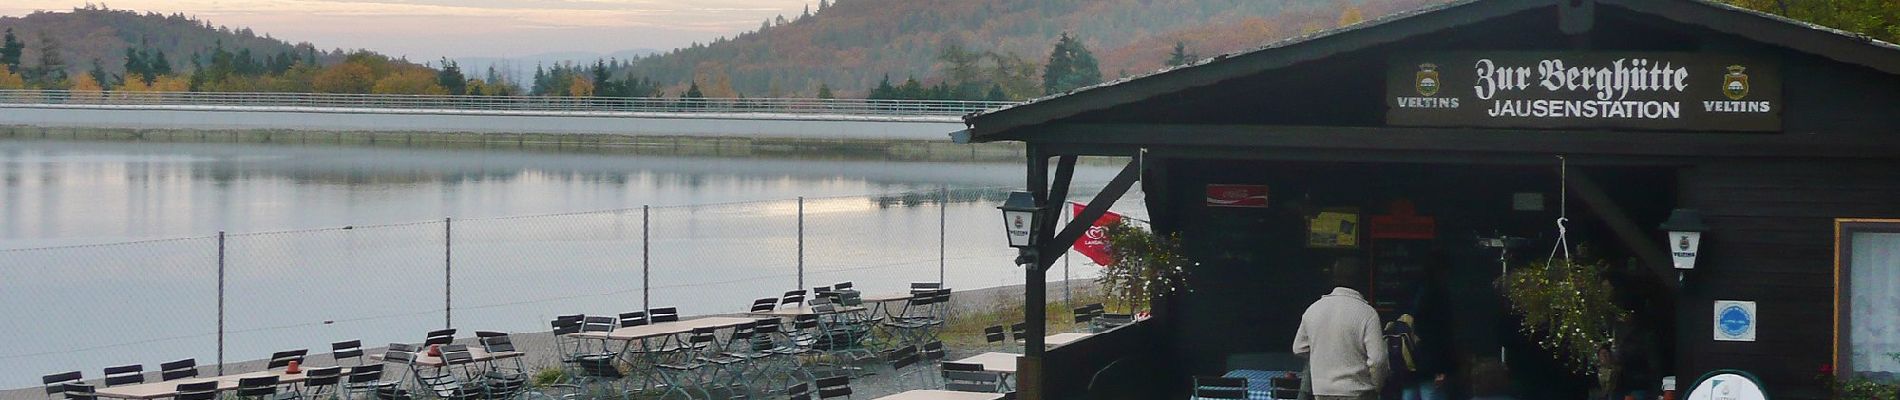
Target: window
1867 285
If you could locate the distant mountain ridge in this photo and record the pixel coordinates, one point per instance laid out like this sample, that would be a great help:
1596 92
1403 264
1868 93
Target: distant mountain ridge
850 46
96 33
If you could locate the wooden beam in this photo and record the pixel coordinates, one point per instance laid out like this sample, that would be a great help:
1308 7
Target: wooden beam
1052 250
1058 194
1474 140
1648 250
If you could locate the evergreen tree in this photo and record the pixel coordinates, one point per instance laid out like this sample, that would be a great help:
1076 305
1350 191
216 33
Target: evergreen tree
911 90
135 67
805 14
451 78
10 50
824 92
99 75
604 85
996 93
693 98
884 91
158 65
1070 67
824 4
1180 56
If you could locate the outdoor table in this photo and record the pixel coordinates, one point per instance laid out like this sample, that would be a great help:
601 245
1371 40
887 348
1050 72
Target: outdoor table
476 355
805 310
887 297
157 390
1259 382
1063 338
941 395
663 329
994 361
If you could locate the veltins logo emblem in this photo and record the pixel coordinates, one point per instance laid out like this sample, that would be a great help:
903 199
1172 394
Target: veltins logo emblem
1018 222
1427 83
1735 84
1683 244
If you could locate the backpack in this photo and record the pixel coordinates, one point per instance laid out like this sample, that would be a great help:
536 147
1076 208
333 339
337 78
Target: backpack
1399 342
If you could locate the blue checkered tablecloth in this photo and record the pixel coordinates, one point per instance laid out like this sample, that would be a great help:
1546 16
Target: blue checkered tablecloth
1259 383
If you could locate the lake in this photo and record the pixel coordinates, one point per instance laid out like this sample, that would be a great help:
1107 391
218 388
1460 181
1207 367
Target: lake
110 251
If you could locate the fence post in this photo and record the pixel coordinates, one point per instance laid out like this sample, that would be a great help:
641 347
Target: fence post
1067 296
448 273
943 217
801 242
220 302
646 261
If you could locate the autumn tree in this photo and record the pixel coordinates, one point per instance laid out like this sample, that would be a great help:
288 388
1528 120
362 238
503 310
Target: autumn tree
1351 15
1070 67
51 71
10 80
417 80
580 87
1879 19
346 77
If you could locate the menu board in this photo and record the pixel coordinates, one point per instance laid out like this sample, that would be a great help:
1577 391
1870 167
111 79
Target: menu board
1398 268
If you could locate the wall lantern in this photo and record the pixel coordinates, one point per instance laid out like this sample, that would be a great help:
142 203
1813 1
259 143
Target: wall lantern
1020 220
1685 236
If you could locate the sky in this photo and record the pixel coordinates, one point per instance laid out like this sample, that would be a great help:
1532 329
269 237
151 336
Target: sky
427 29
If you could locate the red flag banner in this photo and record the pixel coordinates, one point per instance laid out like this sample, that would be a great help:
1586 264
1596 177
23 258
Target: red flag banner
1094 244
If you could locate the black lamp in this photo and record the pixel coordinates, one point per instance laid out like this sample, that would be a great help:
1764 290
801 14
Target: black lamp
1021 219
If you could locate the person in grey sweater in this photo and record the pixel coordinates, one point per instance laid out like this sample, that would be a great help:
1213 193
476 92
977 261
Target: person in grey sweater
1342 340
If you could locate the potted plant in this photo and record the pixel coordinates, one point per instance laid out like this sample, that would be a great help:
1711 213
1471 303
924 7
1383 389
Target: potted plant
1145 265
1568 308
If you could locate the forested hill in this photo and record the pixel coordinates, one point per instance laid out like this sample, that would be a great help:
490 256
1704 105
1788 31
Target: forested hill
850 45
95 33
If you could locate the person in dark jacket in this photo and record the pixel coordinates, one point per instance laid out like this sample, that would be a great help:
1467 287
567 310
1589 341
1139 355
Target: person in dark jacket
1432 328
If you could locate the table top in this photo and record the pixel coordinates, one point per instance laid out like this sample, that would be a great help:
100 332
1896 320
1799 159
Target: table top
664 328
806 310
941 395
424 359
994 361
1063 338
153 390
1259 382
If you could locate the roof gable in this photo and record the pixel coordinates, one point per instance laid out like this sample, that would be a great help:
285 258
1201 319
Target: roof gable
1771 30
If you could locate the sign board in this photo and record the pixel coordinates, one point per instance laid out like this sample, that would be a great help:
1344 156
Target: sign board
1336 228
1728 385
1735 321
1636 90
1238 196
1683 247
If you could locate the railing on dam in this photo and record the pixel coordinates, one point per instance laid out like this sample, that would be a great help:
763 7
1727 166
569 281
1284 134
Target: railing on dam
493 104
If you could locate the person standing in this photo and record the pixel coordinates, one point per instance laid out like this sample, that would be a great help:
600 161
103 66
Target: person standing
1342 340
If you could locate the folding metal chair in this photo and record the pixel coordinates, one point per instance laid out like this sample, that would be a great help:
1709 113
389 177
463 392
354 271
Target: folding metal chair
318 379
125 375
56 383
79 391
207 390
834 387
367 379
348 349
282 359
175 370
901 359
263 388
764 305
993 335
793 298
663 314
963 377
633 318
688 367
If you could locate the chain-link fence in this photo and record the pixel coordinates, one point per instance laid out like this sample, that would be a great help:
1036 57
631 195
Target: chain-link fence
239 296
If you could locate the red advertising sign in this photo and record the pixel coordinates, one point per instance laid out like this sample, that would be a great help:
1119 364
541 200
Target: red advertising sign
1094 244
1239 196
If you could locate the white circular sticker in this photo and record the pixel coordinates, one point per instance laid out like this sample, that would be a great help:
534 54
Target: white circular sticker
1727 386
